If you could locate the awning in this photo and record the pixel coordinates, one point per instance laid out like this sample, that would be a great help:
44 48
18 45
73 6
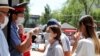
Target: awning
67 30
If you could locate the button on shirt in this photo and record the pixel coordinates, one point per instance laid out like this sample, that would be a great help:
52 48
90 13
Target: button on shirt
54 50
14 41
4 50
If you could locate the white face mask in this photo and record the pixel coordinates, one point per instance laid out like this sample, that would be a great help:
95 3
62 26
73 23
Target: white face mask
47 36
20 20
6 20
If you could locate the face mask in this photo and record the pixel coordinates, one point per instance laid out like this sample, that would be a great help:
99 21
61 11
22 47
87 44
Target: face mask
6 20
47 35
20 20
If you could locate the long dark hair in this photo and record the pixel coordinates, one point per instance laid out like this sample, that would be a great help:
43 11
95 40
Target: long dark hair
89 24
56 30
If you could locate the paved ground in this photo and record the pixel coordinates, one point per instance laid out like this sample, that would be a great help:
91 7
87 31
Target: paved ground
36 53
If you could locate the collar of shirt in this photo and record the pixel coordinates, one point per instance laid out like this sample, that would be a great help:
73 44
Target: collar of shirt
55 43
14 25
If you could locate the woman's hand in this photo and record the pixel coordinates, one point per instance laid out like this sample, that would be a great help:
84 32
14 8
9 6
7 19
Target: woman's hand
76 39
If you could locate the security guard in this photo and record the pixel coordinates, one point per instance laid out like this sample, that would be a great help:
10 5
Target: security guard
16 46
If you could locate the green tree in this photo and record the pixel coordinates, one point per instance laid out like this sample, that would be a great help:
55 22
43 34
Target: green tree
96 14
74 9
57 15
47 15
87 5
71 11
21 1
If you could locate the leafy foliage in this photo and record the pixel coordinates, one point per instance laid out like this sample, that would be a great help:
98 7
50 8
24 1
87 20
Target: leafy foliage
72 10
46 16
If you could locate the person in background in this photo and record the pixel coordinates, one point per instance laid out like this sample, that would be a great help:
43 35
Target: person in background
54 48
17 48
34 36
89 45
4 8
23 36
64 39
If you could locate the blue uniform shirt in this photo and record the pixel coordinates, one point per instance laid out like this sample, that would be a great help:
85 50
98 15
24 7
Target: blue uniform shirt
14 41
